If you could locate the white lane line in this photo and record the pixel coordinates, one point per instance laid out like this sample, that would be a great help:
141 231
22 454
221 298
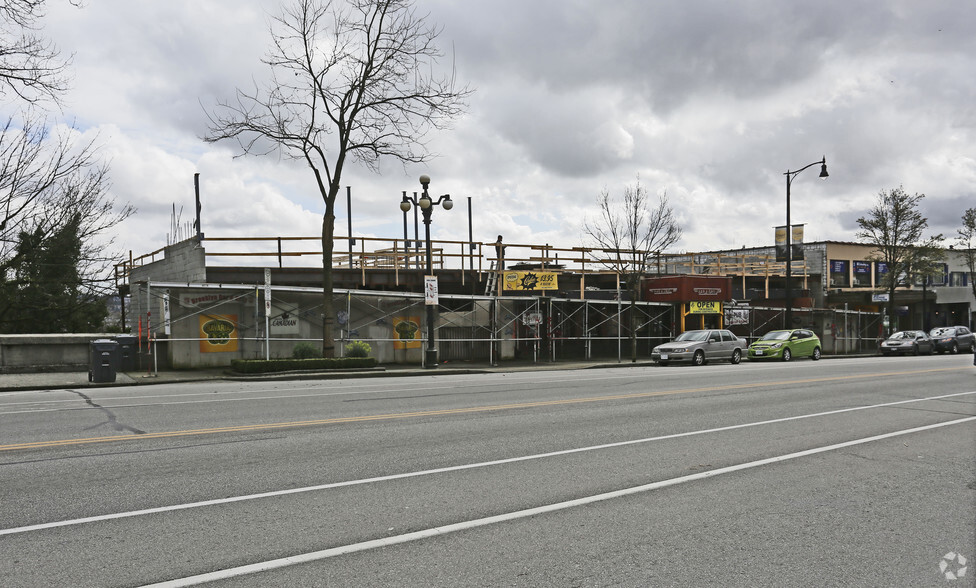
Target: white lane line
231 499
472 524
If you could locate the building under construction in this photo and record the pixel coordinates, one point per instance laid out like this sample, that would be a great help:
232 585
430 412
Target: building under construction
206 301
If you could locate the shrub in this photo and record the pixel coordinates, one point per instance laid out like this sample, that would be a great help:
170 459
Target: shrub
305 350
358 349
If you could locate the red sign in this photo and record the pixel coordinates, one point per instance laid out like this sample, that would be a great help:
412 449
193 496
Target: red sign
688 289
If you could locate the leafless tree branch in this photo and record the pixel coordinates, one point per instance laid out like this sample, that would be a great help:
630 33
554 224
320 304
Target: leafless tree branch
628 234
349 80
31 67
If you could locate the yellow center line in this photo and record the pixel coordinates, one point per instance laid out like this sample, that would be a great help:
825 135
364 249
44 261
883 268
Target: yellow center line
449 411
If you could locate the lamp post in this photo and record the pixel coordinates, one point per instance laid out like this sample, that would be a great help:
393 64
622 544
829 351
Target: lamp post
426 205
788 317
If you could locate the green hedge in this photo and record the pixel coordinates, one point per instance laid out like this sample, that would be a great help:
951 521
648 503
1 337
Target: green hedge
261 366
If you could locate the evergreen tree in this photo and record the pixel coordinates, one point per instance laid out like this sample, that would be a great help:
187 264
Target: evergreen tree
45 291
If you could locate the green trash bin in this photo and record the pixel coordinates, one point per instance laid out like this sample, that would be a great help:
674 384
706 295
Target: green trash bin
104 361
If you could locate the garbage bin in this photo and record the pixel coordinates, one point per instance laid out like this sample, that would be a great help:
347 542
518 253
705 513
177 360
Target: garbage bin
104 360
128 352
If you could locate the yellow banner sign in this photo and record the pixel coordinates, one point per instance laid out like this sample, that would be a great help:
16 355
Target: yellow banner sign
218 332
530 281
406 332
707 307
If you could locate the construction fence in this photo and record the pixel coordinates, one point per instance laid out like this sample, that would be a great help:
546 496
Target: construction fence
207 325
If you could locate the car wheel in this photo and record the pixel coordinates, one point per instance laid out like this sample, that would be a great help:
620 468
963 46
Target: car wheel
699 358
954 349
736 357
816 354
787 354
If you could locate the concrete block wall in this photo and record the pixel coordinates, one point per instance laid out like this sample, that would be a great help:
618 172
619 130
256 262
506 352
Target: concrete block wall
46 353
184 262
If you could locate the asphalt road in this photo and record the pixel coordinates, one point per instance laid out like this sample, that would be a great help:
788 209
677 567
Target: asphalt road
854 472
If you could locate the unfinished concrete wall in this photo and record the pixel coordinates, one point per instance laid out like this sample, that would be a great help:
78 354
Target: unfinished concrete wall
183 262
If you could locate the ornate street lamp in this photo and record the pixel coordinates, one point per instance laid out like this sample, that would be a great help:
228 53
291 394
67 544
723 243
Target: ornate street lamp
427 205
788 317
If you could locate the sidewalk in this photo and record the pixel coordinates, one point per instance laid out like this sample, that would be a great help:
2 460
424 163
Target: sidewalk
59 380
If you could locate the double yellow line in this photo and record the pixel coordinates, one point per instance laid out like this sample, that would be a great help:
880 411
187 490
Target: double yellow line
442 412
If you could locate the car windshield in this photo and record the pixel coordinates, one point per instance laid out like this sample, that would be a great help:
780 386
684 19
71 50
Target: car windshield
903 335
941 332
777 336
692 336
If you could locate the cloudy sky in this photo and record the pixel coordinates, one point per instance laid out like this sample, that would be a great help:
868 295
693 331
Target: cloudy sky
708 101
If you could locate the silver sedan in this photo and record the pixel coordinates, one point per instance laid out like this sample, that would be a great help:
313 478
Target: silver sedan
700 347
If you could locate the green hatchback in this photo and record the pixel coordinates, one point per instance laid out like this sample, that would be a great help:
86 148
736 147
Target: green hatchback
786 344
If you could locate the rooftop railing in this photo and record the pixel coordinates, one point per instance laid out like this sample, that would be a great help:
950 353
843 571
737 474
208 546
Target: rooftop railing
374 253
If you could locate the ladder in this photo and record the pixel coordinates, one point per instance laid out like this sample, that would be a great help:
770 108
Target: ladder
490 283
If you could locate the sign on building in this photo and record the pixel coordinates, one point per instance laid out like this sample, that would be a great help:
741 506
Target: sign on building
704 307
530 281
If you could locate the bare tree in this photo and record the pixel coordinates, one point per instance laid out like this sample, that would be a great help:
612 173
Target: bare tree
895 227
350 79
967 241
52 186
31 67
628 234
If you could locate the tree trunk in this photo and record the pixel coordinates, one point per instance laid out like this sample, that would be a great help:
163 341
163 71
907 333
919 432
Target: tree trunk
328 311
891 311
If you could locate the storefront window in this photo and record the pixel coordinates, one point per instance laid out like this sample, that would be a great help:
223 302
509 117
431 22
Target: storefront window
862 274
880 270
839 276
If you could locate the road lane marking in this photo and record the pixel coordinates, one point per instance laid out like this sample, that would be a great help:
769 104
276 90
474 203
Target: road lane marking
530 512
443 412
276 493
276 392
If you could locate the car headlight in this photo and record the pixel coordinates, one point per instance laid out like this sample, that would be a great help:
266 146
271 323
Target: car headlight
776 345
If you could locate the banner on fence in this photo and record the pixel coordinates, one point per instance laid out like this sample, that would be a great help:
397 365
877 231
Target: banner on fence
218 333
530 281
736 316
406 332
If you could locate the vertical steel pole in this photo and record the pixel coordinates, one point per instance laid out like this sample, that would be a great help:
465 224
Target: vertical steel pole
406 237
430 360
352 241
788 314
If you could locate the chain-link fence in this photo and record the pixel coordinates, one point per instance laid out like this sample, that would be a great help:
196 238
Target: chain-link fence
840 331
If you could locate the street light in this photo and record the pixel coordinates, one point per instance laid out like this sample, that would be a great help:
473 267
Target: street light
427 205
788 319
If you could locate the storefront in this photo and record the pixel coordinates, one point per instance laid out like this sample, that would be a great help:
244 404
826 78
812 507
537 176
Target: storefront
700 299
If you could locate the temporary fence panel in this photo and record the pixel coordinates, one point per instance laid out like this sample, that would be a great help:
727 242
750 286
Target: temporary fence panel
210 326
